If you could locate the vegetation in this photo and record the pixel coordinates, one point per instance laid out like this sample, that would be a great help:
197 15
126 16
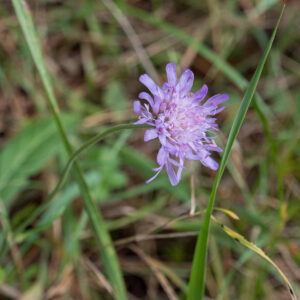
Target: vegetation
84 224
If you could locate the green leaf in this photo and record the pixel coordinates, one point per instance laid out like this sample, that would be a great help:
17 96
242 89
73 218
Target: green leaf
197 278
240 239
114 96
26 153
2 275
72 160
58 207
109 256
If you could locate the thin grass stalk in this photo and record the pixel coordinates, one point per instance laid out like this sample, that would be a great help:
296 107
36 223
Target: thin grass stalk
92 141
197 278
108 254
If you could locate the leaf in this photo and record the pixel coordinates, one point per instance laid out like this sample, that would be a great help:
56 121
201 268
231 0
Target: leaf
72 160
35 292
197 278
114 96
58 207
109 256
2 275
26 154
228 212
240 239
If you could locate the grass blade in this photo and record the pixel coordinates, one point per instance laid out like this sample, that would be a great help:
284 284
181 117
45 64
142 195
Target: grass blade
240 239
67 170
197 278
39 142
108 254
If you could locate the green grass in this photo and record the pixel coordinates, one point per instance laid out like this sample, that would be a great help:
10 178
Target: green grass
73 73
197 279
108 254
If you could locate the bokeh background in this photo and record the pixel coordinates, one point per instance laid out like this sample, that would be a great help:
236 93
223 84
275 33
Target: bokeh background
95 52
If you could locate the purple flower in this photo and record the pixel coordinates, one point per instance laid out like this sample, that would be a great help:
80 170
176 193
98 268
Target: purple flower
179 122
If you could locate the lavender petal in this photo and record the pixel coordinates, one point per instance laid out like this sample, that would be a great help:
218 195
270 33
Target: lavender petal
185 82
216 100
151 85
210 163
171 174
150 134
152 178
162 156
137 107
147 97
200 94
171 74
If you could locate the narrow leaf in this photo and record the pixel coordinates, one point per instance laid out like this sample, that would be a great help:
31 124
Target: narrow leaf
26 153
109 256
228 212
197 278
240 239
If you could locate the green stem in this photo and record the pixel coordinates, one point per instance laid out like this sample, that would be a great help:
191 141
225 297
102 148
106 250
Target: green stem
68 167
108 254
197 278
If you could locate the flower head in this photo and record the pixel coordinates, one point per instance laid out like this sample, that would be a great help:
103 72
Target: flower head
180 123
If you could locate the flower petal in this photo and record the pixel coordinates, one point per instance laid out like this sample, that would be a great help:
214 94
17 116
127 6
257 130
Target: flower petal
146 80
152 178
147 97
150 134
163 139
137 107
157 101
171 73
179 173
162 156
180 168
210 163
216 111
200 94
214 148
185 82
171 174
216 100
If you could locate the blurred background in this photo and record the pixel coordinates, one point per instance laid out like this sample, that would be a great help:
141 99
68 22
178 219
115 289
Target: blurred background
95 51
